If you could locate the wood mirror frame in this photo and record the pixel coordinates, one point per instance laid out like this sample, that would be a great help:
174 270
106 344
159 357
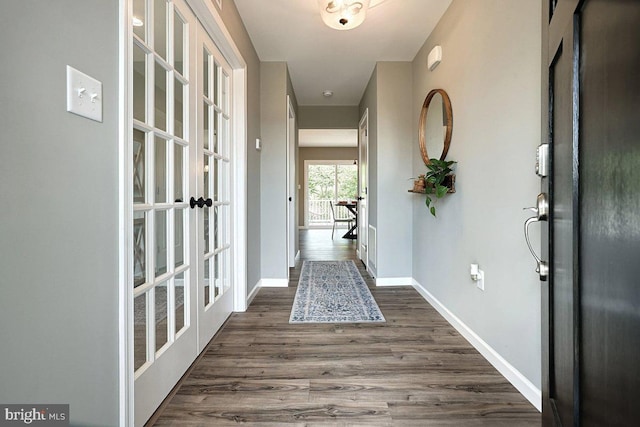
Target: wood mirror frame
423 121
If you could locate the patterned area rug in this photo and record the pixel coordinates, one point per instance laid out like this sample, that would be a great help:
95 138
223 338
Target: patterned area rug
333 292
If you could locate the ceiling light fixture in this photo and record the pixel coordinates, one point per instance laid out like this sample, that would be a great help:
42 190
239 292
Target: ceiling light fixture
327 93
137 22
343 14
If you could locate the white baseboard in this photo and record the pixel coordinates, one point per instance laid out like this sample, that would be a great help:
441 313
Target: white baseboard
253 293
266 283
519 381
273 283
394 281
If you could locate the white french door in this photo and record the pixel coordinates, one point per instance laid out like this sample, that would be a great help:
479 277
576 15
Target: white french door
292 199
180 149
363 182
213 246
163 140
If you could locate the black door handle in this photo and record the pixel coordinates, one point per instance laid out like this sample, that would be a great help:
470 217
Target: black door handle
290 199
200 202
360 198
193 202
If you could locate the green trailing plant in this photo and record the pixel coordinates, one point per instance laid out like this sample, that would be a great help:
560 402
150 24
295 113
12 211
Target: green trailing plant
438 170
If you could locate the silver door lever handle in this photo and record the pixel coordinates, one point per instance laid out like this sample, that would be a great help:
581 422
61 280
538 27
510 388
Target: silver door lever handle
527 223
542 213
542 267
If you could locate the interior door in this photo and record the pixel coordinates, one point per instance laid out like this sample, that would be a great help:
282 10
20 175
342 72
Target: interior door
363 182
291 185
213 245
591 300
163 168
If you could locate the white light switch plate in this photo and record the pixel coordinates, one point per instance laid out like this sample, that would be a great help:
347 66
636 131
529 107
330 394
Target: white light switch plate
84 95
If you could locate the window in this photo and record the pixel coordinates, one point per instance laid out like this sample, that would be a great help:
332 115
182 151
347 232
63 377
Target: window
328 181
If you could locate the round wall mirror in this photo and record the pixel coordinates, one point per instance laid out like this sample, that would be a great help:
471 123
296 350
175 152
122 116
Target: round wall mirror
436 125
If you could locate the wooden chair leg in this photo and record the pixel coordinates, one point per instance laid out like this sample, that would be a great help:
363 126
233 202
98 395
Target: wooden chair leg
333 229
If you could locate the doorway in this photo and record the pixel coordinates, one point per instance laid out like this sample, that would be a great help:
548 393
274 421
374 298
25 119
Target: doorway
291 185
363 188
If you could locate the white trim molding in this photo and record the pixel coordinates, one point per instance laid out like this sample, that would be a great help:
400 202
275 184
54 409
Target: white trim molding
394 281
212 22
273 283
519 381
239 187
253 294
266 283
125 223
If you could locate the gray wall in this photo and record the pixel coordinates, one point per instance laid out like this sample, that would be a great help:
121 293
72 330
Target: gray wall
275 86
491 71
59 211
333 117
394 157
236 28
318 153
388 98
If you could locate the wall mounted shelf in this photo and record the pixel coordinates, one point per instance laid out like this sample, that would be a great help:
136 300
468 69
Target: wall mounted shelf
449 181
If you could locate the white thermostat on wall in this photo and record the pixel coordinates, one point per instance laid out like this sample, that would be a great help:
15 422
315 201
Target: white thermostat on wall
434 58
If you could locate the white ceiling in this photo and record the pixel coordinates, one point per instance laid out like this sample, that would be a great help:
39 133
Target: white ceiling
328 137
321 58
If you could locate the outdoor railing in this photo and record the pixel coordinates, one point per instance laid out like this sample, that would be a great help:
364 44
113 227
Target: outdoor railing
320 212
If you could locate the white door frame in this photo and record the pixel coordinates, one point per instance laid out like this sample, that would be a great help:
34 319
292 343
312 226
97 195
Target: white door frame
363 217
212 22
125 219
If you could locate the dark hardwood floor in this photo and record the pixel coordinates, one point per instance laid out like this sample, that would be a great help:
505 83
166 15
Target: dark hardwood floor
413 370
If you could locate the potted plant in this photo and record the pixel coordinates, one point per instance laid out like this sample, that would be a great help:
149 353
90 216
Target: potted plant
438 181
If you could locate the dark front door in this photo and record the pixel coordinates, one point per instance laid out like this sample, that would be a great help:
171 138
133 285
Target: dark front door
591 300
